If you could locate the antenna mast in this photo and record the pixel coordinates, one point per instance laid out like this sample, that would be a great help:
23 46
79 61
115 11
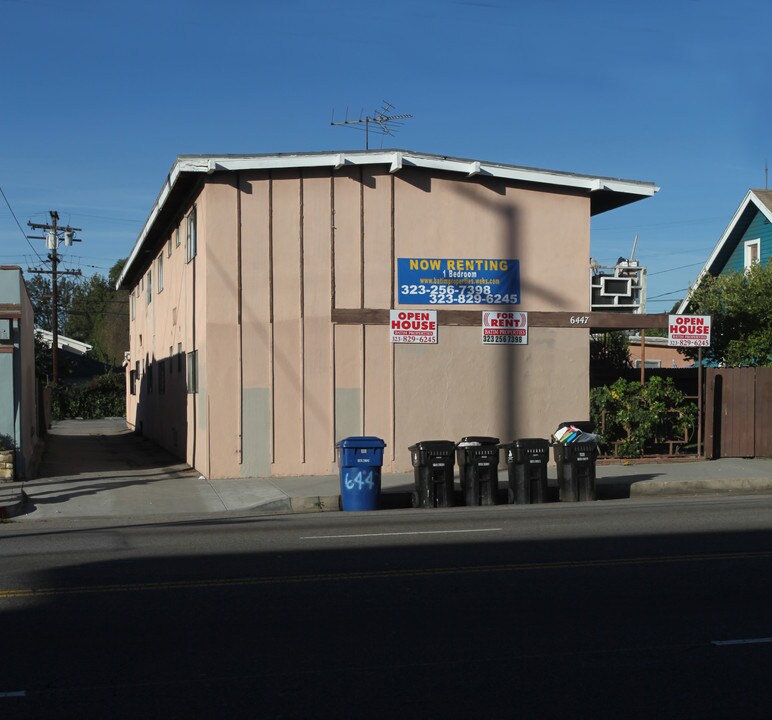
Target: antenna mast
384 122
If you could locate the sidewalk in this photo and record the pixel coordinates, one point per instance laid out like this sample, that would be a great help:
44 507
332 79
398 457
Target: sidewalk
99 469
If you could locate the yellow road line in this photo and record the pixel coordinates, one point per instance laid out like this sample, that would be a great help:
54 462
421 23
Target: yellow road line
11 593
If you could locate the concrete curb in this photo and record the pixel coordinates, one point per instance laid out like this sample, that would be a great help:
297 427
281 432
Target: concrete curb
10 508
648 488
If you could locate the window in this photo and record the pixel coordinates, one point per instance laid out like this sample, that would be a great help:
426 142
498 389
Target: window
649 363
169 247
149 379
193 371
160 269
149 287
752 252
192 240
133 303
179 357
171 364
132 382
177 237
162 377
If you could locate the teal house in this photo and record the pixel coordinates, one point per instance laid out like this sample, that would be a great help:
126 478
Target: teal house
746 240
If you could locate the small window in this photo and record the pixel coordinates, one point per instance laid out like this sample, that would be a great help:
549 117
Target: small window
162 377
149 287
133 303
132 382
752 252
160 272
179 357
193 371
169 247
177 237
192 239
149 379
649 363
171 364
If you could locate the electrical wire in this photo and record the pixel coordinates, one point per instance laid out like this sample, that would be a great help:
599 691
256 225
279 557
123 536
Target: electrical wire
19 226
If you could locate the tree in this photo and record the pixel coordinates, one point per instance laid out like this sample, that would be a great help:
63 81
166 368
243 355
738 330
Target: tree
610 351
99 315
740 305
39 289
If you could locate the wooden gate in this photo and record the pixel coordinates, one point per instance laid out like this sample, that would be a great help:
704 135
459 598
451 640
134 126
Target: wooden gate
738 412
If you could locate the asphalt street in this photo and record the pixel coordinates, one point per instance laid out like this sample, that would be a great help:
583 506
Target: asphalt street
616 609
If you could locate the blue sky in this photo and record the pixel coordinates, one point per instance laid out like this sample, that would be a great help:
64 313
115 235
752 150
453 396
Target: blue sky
100 97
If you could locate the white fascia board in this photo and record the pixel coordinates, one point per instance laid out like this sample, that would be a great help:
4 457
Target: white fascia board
750 197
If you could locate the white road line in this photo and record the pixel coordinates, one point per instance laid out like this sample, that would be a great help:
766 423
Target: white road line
392 534
16 693
752 641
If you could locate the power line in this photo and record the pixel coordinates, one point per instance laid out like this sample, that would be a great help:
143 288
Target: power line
19 226
674 292
680 267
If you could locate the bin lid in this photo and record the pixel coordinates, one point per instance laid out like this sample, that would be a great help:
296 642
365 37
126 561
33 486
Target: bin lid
361 441
434 445
527 443
473 440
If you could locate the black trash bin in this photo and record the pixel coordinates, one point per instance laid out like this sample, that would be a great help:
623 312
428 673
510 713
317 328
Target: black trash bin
527 469
478 465
433 464
576 470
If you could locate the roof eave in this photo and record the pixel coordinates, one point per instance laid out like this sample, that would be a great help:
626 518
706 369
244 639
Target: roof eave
605 193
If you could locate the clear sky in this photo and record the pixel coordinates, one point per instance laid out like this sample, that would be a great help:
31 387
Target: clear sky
99 97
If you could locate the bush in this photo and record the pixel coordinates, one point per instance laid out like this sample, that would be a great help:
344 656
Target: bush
104 396
639 416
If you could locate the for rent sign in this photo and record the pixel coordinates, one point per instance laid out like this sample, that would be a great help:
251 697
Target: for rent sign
418 326
504 328
688 330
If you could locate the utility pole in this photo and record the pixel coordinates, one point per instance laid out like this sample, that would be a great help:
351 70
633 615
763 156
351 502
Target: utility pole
52 239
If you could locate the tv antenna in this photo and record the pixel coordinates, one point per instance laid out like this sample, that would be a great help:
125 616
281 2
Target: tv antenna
383 121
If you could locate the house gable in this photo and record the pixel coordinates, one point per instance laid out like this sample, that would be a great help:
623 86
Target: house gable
752 221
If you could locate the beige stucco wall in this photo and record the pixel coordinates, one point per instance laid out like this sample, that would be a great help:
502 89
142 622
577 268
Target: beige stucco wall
314 240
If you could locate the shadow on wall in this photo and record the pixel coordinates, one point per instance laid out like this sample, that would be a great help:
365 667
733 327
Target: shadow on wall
161 404
511 245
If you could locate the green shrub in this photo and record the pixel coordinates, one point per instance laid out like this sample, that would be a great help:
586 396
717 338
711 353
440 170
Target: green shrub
104 396
639 416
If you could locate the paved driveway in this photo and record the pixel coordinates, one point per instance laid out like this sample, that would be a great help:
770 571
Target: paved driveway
99 467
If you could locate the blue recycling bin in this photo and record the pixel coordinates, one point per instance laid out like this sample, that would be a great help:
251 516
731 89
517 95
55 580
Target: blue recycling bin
360 460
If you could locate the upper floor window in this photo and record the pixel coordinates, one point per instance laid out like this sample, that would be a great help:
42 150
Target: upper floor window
160 271
752 252
133 302
177 237
169 247
192 239
149 286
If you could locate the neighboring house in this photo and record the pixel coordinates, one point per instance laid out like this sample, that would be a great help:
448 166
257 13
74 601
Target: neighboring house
656 353
76 366
261 288
747 239
19 417
69 345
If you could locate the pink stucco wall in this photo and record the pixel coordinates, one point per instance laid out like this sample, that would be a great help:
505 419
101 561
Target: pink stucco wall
280 383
